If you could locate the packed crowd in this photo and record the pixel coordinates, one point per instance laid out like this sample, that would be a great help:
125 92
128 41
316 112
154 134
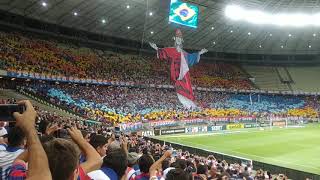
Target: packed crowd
20 53
27 153
45 145
127 104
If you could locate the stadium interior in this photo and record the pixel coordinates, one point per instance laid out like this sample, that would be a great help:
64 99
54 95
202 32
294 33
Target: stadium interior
159 89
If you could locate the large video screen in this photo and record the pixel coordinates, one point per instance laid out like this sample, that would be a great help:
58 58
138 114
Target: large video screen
184 13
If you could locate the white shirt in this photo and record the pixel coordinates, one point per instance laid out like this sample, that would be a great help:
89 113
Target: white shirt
3 131
3 147
98 175
6 159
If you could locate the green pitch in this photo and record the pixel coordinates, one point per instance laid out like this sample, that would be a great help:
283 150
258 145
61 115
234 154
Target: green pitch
296 148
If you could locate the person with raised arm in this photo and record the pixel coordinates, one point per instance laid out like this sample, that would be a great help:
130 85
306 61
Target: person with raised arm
38 166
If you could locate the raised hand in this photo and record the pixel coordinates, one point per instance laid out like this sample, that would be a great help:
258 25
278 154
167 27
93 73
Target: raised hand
153 45
26 120
167 154
52 128
75 135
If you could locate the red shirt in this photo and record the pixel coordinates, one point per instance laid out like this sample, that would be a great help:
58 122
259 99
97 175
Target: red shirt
19 172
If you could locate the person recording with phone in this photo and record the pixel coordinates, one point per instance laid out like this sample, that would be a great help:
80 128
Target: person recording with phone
56 158
38 167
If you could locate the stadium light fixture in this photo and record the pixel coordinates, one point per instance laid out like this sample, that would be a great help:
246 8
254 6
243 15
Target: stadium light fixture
238 13
44 4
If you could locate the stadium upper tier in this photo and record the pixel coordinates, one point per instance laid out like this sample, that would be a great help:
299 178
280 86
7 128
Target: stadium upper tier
300 79
123 104
27 54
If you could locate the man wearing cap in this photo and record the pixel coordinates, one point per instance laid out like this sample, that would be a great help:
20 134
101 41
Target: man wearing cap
180 61
133 167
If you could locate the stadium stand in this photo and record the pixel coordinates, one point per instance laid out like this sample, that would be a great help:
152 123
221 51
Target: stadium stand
26 54
304 78
266 78
123 104
284 78
89 114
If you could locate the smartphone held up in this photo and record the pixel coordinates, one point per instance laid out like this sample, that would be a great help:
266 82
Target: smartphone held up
7 110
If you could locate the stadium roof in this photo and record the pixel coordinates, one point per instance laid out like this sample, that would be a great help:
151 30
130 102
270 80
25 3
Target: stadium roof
147 20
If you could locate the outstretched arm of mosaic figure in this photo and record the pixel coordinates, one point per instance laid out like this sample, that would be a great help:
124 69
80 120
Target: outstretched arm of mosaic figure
154 46
194 58
203 51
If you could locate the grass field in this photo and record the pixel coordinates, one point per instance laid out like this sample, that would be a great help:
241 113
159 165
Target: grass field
296 148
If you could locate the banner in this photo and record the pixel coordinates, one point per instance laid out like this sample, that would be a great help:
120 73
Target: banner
279 123
196 129
49 77
235 126
250 125
192 130
163 123
264 125
173 131
218 119
147 133
130 126
214 128
202 129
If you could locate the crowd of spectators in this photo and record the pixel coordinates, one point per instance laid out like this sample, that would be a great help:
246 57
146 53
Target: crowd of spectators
26 152
20 53
129 104
45 145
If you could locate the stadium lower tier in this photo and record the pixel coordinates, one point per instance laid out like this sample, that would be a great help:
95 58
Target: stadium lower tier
51 126
130 104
